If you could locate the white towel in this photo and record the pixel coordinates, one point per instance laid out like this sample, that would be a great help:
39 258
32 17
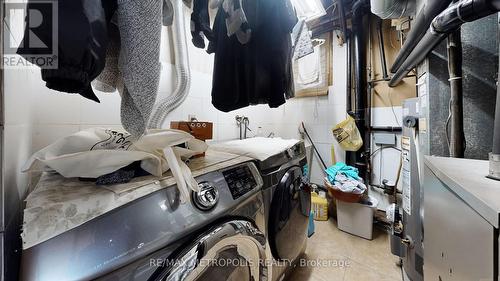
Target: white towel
257 148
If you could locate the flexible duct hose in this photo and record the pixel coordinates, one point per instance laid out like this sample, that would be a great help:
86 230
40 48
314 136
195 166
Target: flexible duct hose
392 9
183 74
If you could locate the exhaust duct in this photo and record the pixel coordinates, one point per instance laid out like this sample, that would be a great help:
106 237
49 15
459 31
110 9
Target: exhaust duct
393 9
183 74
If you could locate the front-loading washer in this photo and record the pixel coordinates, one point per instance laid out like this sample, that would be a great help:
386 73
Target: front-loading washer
220 236
287 200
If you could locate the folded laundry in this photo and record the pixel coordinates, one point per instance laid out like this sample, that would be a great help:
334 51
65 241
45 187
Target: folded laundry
258 148
349 185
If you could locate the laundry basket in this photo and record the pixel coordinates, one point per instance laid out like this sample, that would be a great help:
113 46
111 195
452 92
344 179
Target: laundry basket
357 218
339 195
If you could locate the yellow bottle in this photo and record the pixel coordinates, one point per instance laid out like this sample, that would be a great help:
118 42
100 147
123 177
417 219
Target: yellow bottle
319 206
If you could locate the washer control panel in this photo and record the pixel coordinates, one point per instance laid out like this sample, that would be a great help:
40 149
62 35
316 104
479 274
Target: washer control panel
240 180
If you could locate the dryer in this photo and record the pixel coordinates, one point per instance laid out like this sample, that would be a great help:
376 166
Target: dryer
221 236
287 198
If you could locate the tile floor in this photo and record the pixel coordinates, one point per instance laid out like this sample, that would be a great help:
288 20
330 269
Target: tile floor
344 257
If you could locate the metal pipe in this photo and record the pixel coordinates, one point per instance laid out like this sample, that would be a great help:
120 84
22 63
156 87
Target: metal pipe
419 26
457 136
360 84
383 62
496 126
447 21
349 74
494 171
386 129
343 21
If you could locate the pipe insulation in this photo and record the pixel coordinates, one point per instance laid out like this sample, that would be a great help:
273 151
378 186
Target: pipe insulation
419 26
446 22
183 74
456 118
393 9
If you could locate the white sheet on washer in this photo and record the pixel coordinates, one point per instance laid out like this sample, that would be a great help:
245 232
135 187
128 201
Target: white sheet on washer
258 148
58 204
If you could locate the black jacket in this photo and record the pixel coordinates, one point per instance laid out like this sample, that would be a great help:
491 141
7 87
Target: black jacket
259 72
81 43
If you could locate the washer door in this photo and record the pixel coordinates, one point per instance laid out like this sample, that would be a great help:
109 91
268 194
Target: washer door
289 216
234 250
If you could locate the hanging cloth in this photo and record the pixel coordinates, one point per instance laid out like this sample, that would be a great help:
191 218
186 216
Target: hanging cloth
260 71
133 60
81 43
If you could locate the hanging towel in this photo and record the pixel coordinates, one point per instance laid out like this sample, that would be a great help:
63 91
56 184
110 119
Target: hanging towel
133 59
140 24
302 42
110 78
258 148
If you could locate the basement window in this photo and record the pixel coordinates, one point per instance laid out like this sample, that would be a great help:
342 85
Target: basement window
309 9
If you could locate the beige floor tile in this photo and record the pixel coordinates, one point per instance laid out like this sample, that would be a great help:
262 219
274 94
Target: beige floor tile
331 269
375 254
347 257
329 238
360 272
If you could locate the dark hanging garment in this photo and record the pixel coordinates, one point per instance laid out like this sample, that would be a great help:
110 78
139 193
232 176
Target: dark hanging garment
260 71
200 23
81 42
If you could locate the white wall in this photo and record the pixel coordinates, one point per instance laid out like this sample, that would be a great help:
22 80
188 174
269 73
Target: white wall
385 162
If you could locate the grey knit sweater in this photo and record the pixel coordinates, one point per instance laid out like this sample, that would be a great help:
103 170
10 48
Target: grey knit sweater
135 72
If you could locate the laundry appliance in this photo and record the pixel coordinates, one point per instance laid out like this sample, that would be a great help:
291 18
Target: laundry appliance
219 235
286 192
287 200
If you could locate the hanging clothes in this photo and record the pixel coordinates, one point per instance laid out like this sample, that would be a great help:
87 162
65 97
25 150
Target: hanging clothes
200 24
115 41
133 59
82 40
257 70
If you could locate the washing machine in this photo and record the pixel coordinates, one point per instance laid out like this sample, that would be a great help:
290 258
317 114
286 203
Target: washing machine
287 200
220 235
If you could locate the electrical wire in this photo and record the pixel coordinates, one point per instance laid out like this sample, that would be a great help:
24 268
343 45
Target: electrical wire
384 147
392 107
447 125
